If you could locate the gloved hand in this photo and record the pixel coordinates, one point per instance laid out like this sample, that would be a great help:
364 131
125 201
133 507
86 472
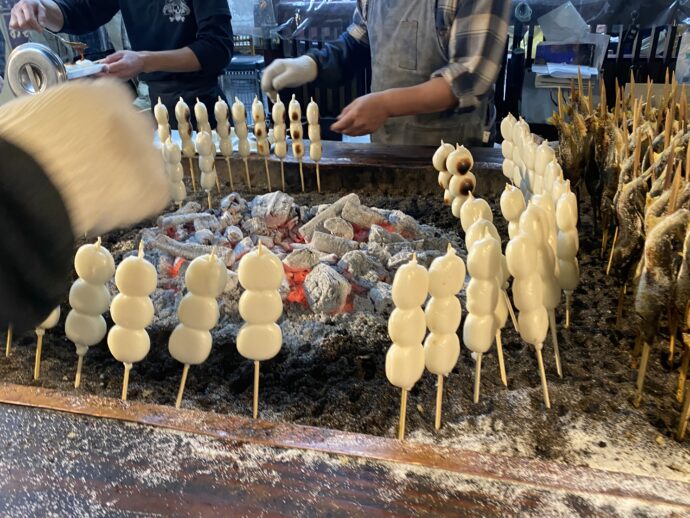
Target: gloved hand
288 73
95 148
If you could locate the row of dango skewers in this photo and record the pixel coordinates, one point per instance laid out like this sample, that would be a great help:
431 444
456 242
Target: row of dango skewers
540 256
260 273
204 147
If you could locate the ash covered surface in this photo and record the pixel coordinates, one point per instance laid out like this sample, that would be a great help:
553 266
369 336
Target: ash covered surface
330 373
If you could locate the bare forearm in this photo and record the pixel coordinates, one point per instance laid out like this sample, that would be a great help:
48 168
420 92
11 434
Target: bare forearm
433 96
179 60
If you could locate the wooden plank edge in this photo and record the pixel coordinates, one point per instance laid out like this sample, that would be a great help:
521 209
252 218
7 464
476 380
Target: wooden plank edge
529 472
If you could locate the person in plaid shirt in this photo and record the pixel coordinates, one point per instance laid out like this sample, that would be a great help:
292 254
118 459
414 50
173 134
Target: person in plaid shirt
434 65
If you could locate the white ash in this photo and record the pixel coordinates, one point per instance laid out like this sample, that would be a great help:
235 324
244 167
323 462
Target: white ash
330 244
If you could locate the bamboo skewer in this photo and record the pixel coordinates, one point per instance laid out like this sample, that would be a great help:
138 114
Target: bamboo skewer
619 308
191 173
511 311
501 363
232 183
282 173
255 401
268 174
403 415
77 376
542 375
318 178
39 351
568 301
613 247
208 197
642 373
554 339
8 343
246 173
477 376
125 380
439 402
683 375
301 174
685 413
217 182
648 104
183 382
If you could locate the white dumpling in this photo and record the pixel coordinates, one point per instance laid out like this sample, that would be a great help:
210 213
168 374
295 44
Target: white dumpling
128 345
136 277
190 346
410 285
260 270
534 325
206 276
446 274
407 327
132 312
441 353
404 366
87 298
94 263
260 307
443 315
478 332
198 312
259 342
85 330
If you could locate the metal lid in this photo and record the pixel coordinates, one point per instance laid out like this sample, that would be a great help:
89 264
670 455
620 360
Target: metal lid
32 67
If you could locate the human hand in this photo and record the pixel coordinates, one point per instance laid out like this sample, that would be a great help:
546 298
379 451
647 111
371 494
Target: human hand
362 116
124 64
288 73
28 15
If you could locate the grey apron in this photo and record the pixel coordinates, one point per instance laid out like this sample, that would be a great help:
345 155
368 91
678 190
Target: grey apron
405 51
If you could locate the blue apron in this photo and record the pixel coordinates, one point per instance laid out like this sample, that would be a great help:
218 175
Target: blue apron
405 51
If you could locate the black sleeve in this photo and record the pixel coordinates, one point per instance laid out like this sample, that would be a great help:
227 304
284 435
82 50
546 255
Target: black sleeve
213 46
340 60
36 241
82 16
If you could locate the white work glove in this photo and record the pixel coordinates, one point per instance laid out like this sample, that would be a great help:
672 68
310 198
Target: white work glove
96 149
288 73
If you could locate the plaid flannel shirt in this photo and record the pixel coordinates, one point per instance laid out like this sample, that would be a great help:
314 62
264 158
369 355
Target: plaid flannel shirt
473 35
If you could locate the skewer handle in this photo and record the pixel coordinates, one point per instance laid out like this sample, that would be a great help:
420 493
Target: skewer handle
501 363
8 344
642 373
477 377
282 173
183 382
439 402
77 377
255 411
568 301
554 339
318 178
511 311
403 415
246 174
268 175
542 374
301 174
125 380
191 173
232 183
39 351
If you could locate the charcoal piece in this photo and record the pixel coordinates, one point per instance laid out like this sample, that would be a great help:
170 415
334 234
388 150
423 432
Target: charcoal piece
266 241
191 250
233 202
253 226
304 259
362 304
275 208
189 208
361 215
234 234
358 263
380 235
200 220
204 237
339 227
377 250
316 223
325 289
330 244
229 219
405 225
380 295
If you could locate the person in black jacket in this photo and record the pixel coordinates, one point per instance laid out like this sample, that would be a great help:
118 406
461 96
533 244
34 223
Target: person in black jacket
180 47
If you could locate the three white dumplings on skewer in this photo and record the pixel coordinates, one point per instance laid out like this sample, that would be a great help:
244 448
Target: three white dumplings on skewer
406 327
295 115
184 128
279 134
315 147
172 155
132 311
89 298
190 343
261 274
443 315
239 118
263 148
221 111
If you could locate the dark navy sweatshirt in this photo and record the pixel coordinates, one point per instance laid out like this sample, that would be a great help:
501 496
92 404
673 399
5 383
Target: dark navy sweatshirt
202 25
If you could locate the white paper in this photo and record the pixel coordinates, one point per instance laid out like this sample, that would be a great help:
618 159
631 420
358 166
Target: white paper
563 23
